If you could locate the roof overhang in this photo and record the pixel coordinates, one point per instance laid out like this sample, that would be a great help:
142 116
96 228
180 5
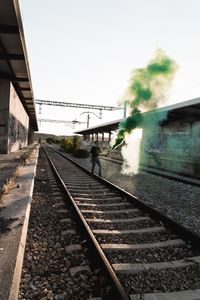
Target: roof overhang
13 56
184 111
106 127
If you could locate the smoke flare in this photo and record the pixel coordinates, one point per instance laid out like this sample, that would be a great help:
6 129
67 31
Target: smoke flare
147 88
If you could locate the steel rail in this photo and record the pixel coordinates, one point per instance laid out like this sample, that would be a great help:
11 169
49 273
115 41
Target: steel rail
185 233
118 290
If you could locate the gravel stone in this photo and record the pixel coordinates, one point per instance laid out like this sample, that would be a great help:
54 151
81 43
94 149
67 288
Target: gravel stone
46 268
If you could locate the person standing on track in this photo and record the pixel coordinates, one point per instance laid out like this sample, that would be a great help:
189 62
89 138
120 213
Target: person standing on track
95 151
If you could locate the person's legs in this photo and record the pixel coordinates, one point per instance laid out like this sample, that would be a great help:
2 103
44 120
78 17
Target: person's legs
93 165
99 164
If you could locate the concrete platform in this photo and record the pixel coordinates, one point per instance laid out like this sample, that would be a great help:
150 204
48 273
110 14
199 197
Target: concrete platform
14 216
10 162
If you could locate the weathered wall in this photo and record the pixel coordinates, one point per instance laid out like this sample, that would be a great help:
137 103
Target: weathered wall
18 123
30 135
4 114
174 147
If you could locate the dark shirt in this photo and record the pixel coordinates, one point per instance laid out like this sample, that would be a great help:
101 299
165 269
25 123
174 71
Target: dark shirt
95 151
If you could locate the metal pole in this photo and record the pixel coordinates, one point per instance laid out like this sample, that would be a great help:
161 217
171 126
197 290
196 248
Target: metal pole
88 120
109 139
100 114
125 108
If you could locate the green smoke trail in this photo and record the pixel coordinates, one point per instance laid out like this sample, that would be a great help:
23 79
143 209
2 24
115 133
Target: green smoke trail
127 125
147 87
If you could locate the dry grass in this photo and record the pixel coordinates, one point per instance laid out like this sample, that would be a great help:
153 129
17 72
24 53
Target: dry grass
10 182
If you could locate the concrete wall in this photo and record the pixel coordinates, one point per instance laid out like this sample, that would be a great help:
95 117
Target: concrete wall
174 147
4 114
18 123
14 120
30 135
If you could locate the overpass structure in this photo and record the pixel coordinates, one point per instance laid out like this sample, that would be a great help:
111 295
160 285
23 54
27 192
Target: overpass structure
17 106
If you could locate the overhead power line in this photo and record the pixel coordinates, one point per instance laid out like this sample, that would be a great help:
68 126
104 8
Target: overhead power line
76 105
61 121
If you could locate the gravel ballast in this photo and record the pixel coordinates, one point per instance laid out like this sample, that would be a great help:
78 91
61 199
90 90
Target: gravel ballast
151 255
48 269
170 280
136 262
179 201
135 238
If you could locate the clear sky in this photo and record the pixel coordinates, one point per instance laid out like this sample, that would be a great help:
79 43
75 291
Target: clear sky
83 51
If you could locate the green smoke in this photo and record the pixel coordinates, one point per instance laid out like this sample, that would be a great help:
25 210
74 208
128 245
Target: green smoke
147 87
127 125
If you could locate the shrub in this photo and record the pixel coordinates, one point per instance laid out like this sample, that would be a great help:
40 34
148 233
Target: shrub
66 144
71 144
76 142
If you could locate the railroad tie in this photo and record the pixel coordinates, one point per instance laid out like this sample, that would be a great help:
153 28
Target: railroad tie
129 268
103 205
67 232
79 190
130 231
57 198
62 211
73 247
66 220
54 186
111 247
80 186
130 210
97 199
58 205
132 220
74 270
56 193
77 194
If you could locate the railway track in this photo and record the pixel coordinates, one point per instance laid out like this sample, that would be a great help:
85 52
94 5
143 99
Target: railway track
56 263
145 254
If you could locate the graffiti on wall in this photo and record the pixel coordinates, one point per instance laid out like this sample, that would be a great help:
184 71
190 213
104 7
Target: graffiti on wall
175 148
18 133
178 141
